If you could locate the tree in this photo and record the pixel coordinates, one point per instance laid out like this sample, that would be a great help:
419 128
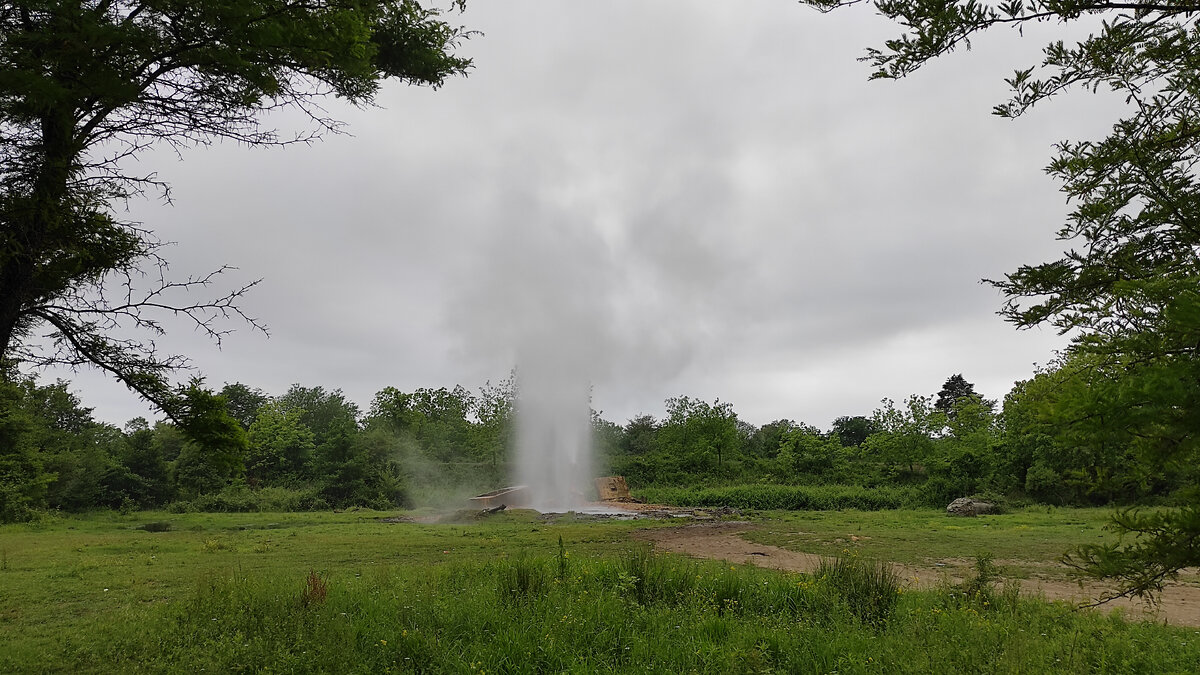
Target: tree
767 439
23 480
606 436
1128 288
639 435
494 414
279 444
904 436
852 431
216 448
86 86
244 402
326 413
435 418
806 451
696 430
142 474
954 389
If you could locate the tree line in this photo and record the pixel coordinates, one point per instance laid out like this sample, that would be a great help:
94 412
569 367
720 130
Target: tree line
311 448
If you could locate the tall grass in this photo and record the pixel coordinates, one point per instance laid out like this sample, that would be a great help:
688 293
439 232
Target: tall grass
870 589
635 612
242 499
788 497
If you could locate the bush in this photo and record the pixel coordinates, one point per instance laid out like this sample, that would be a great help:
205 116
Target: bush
242 499
939 491
978 590
871 589
788 497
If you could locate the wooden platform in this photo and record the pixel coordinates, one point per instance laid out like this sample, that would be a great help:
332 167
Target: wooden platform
514 496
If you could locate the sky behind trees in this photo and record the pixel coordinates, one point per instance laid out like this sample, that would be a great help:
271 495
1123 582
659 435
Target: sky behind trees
696 197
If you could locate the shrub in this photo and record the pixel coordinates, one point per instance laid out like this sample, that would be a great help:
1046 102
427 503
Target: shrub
979 591
788 497
870 589
314 591
242 499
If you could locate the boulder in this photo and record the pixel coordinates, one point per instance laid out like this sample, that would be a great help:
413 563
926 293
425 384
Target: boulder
965 506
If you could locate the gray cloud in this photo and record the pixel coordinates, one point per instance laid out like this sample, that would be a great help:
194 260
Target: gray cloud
709 197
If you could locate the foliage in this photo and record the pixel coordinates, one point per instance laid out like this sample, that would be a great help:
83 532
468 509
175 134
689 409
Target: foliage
440 446
904 436
216 448
954 390
978 589
242 499
88 86
787 497
280 445
435 419
1126 288
244 402
1163 543
702 434
494 410
870 588
22 479
803 450
766 441
852 431
1072 454
326 413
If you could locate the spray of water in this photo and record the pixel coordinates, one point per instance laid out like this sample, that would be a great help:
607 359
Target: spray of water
554 444
572 304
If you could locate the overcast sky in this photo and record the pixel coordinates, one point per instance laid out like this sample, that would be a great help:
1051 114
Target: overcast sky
688 197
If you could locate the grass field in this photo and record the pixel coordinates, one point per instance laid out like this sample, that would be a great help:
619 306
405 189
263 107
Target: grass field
345 592
1025 542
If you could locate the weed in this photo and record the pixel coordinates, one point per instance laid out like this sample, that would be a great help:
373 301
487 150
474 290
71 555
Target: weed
870 589
214 545
979 586
978 590
563 560
522 578
314 591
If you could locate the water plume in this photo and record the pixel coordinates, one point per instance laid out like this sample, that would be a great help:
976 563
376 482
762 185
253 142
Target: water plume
574 298
554 441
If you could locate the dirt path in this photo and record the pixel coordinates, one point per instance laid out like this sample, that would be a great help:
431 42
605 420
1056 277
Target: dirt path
1180 603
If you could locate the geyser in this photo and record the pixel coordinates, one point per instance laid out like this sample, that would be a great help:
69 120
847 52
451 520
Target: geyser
554 429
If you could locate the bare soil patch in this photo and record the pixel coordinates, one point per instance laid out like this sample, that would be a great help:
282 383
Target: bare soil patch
1179 605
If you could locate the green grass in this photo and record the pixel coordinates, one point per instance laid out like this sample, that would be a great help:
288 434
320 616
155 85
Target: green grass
326 592
1024 542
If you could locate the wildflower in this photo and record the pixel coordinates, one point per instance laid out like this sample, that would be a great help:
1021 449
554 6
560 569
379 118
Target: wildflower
383 642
